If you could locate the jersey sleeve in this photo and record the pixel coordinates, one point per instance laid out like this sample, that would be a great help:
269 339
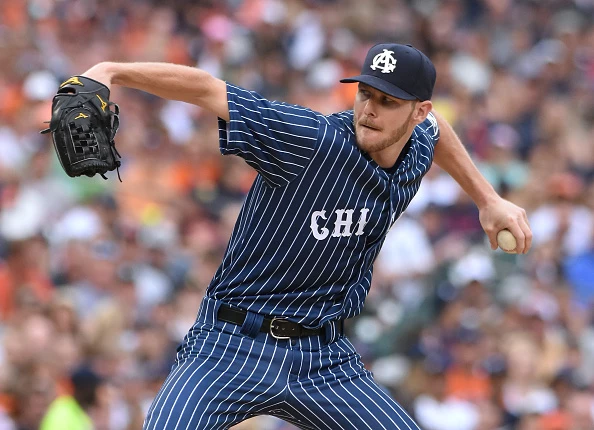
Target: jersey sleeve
431 128
277 139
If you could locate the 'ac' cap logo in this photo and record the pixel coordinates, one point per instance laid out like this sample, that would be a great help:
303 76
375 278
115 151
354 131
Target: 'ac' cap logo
412 79
384 61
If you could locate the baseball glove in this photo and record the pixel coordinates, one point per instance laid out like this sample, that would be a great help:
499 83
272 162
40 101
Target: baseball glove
83 126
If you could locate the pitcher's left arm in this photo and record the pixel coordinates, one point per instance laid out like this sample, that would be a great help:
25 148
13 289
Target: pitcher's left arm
495 213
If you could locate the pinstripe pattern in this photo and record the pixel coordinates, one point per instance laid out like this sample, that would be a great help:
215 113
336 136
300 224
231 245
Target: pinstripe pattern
302 248
308 162
222 377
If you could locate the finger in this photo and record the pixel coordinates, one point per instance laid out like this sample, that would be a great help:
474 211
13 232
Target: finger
527 234
520 237
525 217
492 239
525 226
492 235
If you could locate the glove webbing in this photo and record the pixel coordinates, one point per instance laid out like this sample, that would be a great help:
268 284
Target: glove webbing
85 141
88 140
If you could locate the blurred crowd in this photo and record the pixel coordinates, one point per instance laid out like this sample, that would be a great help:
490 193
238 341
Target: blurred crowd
100 280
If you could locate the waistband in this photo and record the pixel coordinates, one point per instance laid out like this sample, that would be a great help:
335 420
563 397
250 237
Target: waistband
267 327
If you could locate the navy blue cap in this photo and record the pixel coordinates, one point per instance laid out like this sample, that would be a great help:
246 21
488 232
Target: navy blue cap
401 71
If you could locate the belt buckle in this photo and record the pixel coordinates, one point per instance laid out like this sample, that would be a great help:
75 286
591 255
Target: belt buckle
275 324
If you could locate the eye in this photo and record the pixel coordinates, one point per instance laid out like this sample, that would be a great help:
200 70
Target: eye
364 93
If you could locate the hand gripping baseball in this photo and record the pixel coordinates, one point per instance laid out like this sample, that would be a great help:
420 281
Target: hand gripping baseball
501 214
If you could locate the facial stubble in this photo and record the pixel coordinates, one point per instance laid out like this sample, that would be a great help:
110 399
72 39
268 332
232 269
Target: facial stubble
393 137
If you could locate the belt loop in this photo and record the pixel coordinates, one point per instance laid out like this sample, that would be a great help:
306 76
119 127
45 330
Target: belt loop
209 309
328 332
216 305
251 324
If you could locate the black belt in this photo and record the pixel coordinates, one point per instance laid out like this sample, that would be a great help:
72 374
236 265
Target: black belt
278 327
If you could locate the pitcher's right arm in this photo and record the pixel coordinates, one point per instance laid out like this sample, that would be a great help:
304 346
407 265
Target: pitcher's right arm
167 80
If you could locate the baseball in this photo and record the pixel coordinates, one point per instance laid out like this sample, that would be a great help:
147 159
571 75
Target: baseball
506 241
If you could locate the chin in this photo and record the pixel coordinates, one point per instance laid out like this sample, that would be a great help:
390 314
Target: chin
367 143
365 147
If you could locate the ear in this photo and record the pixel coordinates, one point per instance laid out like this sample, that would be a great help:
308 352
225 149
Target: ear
421 111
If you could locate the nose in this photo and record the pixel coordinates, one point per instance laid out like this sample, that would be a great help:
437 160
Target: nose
369 109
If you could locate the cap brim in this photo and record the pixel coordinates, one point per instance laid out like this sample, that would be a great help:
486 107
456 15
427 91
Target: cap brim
381 85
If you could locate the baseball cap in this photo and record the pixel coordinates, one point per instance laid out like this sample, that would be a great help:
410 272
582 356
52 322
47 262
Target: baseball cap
401 71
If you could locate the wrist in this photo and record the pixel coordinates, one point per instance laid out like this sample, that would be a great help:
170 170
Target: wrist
104 72
112 71
108 70
486 199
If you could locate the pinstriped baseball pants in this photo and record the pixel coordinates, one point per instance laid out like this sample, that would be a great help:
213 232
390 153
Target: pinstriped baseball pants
222 377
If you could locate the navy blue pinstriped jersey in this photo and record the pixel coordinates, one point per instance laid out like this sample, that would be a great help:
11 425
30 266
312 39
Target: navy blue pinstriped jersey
317 214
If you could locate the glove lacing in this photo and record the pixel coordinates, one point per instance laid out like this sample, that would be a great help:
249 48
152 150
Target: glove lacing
114 120
115 124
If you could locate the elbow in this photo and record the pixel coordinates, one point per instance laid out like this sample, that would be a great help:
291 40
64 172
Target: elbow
197 86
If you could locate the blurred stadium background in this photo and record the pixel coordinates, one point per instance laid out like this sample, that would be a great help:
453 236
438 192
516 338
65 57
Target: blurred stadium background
107 277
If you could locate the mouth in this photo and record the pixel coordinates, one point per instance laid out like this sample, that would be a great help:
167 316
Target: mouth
370 127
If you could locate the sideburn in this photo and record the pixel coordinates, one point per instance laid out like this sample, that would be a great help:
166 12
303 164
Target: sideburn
402 129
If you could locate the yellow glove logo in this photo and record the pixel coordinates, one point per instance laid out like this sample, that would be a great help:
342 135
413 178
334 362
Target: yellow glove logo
73 81
81 115
103 104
